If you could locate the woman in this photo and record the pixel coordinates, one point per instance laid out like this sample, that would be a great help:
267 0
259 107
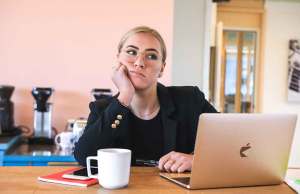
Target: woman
154 121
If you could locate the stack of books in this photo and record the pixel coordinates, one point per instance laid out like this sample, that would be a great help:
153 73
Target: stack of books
58 178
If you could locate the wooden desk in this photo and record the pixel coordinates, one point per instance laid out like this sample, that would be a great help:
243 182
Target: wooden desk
23 180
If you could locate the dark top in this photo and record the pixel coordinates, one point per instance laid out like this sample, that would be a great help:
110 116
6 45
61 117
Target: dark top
148 139
180 108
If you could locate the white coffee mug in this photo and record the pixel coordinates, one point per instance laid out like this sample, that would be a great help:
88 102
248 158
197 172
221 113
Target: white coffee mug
65 139
113 167
78 128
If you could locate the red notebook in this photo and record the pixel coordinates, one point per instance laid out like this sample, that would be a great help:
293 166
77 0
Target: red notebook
57 178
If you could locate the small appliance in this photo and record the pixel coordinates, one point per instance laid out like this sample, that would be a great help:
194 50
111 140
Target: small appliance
6 110
100 93
42 114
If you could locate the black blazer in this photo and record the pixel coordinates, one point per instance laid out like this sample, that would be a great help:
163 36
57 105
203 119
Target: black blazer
180 109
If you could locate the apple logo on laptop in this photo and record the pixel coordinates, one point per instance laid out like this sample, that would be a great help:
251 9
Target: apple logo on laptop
244 149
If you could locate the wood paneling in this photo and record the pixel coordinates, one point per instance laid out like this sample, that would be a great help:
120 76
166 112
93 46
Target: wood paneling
254 4
246 15
239 20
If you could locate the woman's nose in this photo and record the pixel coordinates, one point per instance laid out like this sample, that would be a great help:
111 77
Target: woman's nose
139 62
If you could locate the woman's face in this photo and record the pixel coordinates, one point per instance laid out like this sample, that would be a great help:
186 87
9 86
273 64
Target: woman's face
141 54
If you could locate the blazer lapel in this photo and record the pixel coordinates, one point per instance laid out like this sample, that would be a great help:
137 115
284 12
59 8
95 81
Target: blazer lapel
169 125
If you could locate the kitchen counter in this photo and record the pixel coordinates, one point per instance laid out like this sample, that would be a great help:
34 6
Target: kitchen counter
21 153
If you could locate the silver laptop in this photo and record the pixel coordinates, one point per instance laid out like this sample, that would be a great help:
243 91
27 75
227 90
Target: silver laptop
234 150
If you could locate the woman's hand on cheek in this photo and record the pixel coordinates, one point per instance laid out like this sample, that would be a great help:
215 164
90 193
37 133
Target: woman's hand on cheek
176 162
123 83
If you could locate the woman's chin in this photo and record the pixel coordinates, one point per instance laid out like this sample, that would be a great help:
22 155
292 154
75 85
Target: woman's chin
138 83
139 86
142 86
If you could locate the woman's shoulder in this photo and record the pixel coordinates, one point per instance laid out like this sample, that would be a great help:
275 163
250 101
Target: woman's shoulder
181 94
184 91
100 103
186 97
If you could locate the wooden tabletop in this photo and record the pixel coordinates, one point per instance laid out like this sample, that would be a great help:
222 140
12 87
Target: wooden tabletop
23 180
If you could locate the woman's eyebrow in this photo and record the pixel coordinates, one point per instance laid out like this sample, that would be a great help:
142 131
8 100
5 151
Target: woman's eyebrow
137 48
133 47
152 49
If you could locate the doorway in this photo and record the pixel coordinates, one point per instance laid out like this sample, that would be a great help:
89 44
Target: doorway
238 71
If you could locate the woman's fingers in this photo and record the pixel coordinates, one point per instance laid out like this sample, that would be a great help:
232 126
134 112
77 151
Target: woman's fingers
176 165
183 167
117 66
163 160
123 83
168 165
176 162
123 69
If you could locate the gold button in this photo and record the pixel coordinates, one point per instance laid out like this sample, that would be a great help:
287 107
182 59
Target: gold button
117 122
120 117
113 126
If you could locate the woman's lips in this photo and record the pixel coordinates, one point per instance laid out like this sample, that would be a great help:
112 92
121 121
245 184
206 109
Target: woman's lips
134 73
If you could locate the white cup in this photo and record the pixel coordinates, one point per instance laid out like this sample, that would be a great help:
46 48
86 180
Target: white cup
65 140
78 127
113 167
70 124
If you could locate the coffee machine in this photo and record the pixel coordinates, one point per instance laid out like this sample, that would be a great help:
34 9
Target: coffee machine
6 110
42 114
100 93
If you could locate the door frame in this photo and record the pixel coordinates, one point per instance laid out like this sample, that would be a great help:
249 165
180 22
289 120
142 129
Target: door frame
257 73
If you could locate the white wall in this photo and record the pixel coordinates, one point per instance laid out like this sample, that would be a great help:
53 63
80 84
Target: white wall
282 24
191 42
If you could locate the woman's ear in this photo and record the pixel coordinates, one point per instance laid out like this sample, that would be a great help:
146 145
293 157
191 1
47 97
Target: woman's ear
162 70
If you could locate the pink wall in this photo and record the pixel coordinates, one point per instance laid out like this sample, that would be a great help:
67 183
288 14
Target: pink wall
69 45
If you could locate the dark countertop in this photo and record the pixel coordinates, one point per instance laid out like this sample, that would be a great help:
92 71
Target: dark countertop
23 152
24 147
7 141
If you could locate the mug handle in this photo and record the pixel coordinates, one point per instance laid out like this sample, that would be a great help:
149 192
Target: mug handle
88 163
56 139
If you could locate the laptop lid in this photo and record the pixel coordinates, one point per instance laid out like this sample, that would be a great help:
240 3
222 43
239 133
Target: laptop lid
241 149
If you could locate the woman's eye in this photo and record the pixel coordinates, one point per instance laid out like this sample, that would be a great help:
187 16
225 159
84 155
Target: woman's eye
152 56
131 52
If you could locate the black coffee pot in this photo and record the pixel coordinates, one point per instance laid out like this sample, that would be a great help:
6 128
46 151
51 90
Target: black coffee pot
101 93
6 110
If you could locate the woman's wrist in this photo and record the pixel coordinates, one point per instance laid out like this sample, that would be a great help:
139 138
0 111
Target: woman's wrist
125 101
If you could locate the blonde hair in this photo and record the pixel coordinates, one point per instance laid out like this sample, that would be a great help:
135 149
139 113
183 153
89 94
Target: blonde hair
144 29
